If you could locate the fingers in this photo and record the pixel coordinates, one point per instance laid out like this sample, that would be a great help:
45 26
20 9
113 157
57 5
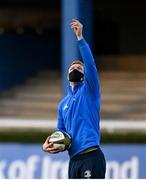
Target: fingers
51 150
55 150
47 144
75 26
50 145
75 22
47 140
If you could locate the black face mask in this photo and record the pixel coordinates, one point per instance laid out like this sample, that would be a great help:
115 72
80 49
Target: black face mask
76 76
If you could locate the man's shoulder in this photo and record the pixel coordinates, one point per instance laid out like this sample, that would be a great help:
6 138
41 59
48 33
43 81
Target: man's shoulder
63 101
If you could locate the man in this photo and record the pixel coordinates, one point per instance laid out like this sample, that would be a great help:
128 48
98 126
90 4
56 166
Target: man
79 115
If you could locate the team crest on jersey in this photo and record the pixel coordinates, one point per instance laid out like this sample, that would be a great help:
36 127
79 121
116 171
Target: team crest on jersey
87 174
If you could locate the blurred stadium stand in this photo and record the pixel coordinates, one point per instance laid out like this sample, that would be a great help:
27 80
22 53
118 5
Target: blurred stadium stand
122 95
37 98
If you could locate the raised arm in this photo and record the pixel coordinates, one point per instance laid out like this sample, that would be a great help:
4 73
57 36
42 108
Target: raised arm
90 71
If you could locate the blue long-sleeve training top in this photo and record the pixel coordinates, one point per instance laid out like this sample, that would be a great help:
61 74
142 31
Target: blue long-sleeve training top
79 111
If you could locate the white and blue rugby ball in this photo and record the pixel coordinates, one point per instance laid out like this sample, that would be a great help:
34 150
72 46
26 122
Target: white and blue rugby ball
60 140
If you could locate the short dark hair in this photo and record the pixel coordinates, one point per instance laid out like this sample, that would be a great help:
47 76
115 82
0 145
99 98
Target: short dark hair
77 62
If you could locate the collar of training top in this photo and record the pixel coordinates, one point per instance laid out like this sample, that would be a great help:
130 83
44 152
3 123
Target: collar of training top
76 87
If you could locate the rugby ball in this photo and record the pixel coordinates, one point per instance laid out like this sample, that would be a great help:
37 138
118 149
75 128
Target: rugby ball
60 140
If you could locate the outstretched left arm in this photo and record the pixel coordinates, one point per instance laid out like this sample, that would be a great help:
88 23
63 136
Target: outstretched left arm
90 71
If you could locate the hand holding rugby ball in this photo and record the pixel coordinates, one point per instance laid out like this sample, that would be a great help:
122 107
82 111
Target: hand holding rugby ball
60 140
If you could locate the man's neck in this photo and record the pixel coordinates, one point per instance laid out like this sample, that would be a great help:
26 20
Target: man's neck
72 84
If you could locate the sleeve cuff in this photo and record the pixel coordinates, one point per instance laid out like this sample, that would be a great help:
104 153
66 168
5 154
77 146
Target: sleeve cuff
81 42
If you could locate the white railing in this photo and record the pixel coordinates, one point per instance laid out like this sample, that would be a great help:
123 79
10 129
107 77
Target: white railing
107 125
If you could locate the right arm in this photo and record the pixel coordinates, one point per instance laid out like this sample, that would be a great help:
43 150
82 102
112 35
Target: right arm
47 146
60 124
